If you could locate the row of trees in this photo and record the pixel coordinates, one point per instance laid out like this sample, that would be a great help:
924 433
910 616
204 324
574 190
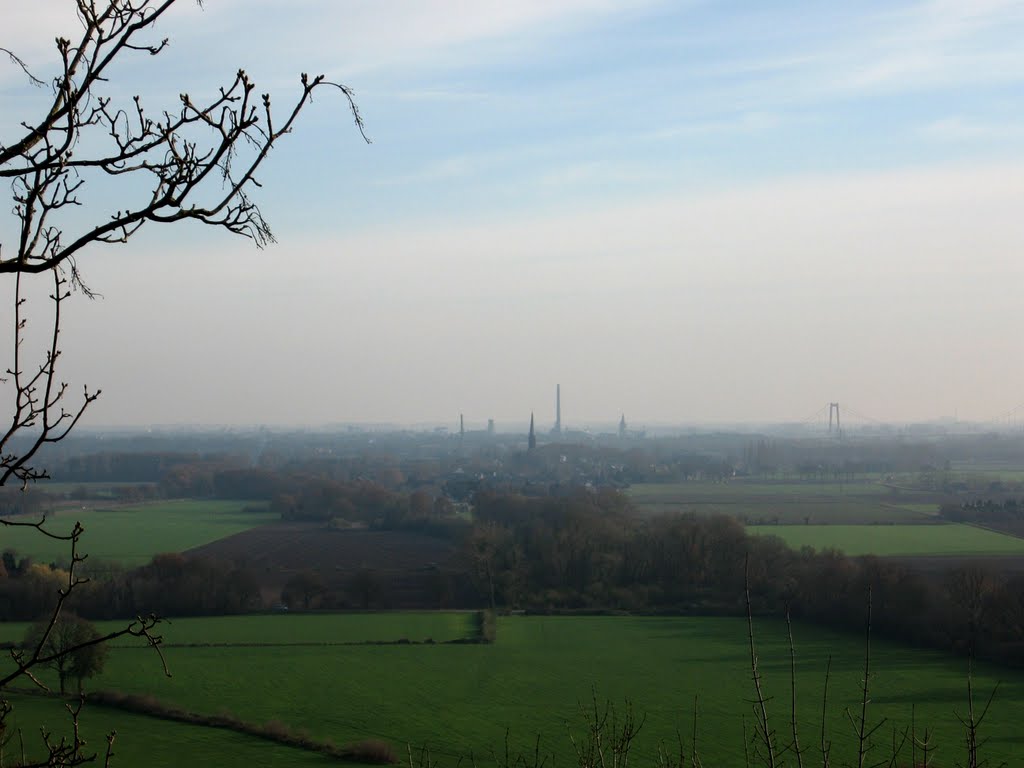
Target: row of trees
587 551
580 550
989 511
575 550
173 585
170 585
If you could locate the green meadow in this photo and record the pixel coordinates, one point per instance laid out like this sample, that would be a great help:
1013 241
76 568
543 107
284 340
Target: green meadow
819 503
132 535
93 488
941 539
1003 472
295 628
147 741
460 700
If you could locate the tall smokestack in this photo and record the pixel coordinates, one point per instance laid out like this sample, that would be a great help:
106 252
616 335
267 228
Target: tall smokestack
558 409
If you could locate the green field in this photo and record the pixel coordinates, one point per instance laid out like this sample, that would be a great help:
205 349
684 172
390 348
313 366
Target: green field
460 699
788 502
941 539
146 741
296 628
1007 473
98 488
133 534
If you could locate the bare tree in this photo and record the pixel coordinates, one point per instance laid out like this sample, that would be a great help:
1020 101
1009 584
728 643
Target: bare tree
195 162
70 631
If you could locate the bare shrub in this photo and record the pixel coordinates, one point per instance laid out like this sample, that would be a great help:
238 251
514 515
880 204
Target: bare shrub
372 751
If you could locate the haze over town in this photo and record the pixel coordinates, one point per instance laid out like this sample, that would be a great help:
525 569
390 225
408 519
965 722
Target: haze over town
686 212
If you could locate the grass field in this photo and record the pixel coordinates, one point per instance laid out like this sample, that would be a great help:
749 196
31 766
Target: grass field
146 741
460 699
943 539
132 535
297 628
788 502
101 488
1007 473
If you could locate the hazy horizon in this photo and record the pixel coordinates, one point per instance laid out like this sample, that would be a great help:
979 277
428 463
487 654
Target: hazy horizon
684 212
545 426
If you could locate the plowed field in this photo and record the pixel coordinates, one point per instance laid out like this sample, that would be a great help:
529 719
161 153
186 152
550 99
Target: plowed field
299 546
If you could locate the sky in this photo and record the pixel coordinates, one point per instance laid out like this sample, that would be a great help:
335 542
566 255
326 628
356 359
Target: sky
686 212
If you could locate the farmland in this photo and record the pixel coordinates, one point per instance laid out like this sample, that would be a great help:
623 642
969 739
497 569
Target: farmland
866 517
148 741
458 699
299 628
291 546
108 490
896 540
398 676
131 535
823 503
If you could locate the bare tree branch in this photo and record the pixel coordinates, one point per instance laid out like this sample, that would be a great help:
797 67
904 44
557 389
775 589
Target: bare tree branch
39 398
201 160
23 67
197 161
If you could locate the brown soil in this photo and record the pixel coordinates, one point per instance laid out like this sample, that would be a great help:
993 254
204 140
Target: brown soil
301 546
407 567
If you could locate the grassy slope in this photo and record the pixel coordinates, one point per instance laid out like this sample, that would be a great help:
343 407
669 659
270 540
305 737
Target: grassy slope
949 539
132 535
461 699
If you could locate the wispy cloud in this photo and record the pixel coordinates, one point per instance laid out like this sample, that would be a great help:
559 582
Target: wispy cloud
448 168
960 129
448 95
597 173
744 122
348 38
368 35
855 55
936 42
520 159
644 175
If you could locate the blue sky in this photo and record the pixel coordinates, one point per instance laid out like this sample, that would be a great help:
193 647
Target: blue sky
684 211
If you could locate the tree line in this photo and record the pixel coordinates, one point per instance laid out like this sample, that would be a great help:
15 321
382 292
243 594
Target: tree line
589 551
562 549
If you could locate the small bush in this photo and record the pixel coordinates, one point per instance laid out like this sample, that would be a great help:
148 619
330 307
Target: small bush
372 751
486 626
275 729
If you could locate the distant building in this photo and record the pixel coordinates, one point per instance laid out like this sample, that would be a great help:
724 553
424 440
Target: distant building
531 441
622 426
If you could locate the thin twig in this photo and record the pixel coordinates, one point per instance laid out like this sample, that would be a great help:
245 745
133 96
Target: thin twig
792 684
761 729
